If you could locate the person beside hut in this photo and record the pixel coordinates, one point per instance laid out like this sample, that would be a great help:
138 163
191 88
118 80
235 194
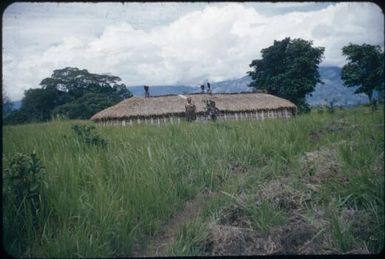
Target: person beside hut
212 110
190 110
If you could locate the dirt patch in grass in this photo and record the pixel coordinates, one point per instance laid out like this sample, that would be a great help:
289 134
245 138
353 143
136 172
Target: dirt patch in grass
159 245
307 230
295 237
234 234
320 165
282 195
234 216
230 240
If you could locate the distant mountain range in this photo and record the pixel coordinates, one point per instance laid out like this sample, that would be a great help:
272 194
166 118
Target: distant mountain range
333 89
227 86
16 105
164 89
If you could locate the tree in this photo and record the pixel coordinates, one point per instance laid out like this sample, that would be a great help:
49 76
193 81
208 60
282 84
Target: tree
288 69
76 82
75 93
365 68
39 103
17 117
86 106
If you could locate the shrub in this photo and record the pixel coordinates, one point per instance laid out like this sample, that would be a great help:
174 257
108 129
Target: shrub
303 108
22 179
85 134
22 202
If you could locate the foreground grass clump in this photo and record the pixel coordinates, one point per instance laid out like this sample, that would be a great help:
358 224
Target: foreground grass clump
100 200
327 198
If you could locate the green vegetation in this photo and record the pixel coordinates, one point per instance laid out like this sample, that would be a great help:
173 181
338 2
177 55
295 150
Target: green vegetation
191 239
288 69
69 92
21 197
87 135
312 184
365 68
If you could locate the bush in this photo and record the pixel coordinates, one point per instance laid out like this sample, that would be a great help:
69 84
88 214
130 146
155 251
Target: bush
303 108
22 190
86 135
23 179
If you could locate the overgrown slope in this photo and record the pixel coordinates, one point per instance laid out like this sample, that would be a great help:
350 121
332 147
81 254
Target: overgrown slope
312 184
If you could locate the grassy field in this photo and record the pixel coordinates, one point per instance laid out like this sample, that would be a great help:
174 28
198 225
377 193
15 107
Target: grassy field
313 184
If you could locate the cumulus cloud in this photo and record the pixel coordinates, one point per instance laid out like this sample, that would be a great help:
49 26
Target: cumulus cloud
214 42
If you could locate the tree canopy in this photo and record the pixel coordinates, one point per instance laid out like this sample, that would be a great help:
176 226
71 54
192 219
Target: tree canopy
288 69
74 93
365 68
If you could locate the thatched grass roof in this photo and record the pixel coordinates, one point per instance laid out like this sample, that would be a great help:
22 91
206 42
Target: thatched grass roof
167 105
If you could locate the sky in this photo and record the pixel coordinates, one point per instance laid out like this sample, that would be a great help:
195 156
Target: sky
171 43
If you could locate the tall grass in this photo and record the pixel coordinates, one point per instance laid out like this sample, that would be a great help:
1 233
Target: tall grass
190 239
99 201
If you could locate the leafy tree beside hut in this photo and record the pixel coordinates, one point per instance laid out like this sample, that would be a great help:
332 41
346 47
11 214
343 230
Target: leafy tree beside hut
365 69
288 69
75 93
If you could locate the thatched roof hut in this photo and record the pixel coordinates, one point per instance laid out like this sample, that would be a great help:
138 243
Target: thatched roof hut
143 109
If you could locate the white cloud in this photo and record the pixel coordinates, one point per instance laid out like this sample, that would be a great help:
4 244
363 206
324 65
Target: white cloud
214 41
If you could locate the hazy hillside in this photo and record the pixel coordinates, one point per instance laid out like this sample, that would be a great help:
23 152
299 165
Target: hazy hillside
233 86
16 105
332 89
164 89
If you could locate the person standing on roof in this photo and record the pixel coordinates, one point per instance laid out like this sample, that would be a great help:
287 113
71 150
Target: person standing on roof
146 93
208 88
